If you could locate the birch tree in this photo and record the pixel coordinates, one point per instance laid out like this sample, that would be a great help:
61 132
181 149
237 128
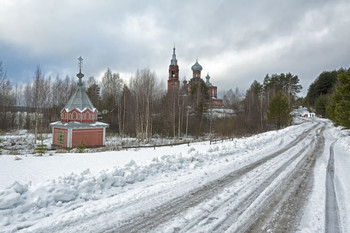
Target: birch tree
36 95
41 99
111 94
7 99
143 89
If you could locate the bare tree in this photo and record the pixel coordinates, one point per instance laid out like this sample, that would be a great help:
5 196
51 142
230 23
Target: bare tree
41 97
252 107
127 106
57 92
111 86
29 102
111 94
232 99
7 99
91 81
68 88
36 94
143 88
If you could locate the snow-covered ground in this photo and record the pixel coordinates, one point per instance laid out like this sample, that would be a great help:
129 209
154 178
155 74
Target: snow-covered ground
21 142
198 188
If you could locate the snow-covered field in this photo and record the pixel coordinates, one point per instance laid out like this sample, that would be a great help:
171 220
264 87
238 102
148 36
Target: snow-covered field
204 187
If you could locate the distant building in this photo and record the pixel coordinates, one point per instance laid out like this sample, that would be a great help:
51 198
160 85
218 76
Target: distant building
174 84
173 81
79 125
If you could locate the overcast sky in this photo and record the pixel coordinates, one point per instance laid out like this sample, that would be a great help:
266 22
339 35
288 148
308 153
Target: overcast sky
236 41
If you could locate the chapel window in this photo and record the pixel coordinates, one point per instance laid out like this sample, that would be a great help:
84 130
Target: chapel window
60 137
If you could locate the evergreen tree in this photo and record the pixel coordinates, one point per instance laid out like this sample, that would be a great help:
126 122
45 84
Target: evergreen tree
288 83
340 110
93 92
323 85
41 148
321 105
279 110
199 98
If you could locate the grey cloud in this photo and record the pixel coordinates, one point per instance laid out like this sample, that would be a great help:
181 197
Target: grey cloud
126 35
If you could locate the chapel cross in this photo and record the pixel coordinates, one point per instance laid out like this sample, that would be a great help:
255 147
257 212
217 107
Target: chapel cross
80 62
80 75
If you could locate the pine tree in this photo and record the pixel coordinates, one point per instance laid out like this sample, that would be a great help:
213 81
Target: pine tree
341 100
321 105
279 110
41 148
82 147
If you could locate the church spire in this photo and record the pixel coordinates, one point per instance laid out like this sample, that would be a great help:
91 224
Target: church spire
173 81
208 78
173 61
80 75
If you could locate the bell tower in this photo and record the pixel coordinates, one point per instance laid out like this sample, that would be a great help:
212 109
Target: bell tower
173 81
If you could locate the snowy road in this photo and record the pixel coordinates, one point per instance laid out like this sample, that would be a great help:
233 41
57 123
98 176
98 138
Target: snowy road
281 181
237 201
278 208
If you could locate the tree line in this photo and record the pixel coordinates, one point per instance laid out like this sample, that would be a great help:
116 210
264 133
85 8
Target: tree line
265 105
142 108
329 96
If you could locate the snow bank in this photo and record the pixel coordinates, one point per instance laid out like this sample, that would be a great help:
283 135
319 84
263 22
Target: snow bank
19 203
342 174
342 135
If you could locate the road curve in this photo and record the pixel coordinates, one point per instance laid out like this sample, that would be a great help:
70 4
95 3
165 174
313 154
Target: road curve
280 209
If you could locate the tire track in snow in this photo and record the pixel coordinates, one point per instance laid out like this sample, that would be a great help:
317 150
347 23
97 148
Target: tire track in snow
332 212
163 213
283 211
239 202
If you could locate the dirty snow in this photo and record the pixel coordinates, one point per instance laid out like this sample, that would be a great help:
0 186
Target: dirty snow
41 193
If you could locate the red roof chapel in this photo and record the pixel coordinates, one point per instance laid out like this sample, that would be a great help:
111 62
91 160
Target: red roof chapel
79 125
